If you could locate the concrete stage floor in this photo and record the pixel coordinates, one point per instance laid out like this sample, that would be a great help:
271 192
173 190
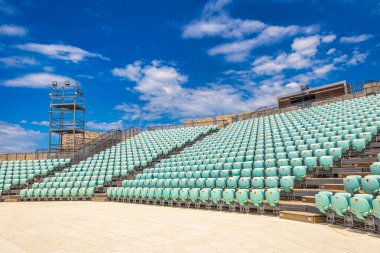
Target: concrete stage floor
121 227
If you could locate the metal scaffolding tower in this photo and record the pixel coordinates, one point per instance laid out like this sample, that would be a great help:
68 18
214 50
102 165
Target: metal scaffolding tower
67 117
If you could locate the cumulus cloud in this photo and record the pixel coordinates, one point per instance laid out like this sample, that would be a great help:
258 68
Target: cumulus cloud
105 126
356 38
60 51
357 58
331 51
247 34
161 88
131 71
303 54
18 61
41 123
222 26
13 30
36 80
14 138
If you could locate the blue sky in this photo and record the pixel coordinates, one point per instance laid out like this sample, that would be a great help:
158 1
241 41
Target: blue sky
159 62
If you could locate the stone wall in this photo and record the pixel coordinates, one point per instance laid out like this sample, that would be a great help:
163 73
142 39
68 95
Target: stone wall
67 141
23 156
372 88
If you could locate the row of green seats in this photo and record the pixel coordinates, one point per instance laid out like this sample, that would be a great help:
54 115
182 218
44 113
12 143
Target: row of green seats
205 195
57 193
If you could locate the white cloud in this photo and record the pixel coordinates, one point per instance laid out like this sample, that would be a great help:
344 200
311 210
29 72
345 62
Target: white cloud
322 71
331 51
131 71
161 89
23 121
18 61
357 58
13 30
356 38
222 26
59 51
41 123
48 69
240 50
328 38
36 80
105 126
215 22
303 56
14 138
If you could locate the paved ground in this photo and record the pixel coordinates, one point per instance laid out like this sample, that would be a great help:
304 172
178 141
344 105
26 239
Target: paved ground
120 227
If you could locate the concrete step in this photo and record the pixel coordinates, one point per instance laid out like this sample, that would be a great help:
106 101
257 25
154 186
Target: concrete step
310 192
318 181
331 187
10 200
308 199
336 171
303 216
103 199
345 174
297 205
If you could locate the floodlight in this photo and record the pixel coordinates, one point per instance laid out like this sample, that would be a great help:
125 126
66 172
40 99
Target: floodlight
55 84
67 83
79 92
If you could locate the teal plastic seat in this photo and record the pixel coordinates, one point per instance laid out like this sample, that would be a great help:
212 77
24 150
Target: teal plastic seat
246 172
326 162
287 183
228 196
376 207
184 194
284 171
375 168
194 194
150 194
272 196
166 193
210 182
221 182
361 205
352 184
300 173
258 172
311 163
371 184
242 196
232 182
216 195
271 182
336 153
257 197
204 195
340 203
175 194
244 182
359 144
296 162
323 201
158 193
257 182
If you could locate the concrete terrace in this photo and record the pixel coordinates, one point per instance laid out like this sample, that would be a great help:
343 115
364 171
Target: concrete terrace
121 227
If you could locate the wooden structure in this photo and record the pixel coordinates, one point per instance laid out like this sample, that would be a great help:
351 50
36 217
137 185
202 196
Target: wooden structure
307 96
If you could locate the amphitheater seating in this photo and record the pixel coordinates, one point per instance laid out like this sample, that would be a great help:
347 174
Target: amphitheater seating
17 174
259 158
362 197
136 153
